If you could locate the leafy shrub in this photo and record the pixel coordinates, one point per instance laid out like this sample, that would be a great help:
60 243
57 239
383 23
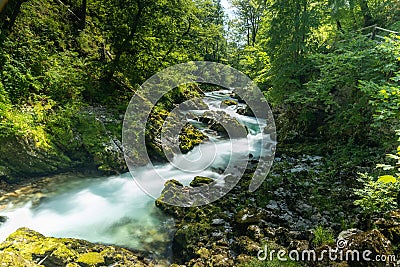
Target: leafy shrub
381 194
377 196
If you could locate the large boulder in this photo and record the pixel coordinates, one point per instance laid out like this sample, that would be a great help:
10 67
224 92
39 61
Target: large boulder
26 247
390 226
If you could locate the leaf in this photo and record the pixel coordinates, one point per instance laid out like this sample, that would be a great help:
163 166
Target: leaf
385 167
387 179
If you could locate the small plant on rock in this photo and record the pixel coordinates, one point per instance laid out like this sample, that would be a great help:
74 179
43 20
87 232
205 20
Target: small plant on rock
322 236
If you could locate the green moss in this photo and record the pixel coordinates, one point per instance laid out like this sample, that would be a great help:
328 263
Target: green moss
8 258
230 102
91 258
199 181
190 137
25 247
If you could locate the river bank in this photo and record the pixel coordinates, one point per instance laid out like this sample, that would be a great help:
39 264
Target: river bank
306 203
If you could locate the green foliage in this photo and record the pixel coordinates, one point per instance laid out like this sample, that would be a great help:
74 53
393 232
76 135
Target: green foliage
384 94
323 236
381 194
377 196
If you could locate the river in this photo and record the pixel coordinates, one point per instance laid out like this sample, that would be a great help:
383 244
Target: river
113 210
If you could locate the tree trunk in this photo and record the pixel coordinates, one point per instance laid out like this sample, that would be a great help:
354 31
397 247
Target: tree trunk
368 19
339 26
122 48
83 14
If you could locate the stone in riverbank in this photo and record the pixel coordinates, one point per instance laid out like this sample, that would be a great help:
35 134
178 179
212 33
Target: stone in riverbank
29 248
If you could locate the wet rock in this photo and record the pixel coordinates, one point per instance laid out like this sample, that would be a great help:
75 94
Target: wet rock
246 111
223 124
172 192
3 219
229 102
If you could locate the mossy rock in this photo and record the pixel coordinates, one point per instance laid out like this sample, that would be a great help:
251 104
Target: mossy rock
372 240
26 247
229 102
10 258
21 159
90 259
200 181
190 137
171 193
186 241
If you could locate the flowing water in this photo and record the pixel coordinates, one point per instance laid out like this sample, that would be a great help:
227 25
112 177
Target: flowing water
113 210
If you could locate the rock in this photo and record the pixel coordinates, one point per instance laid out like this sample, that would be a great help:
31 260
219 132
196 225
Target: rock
373 241
304 208
188 240
299 245
26 248
229 102
90 259
217 222
223 124
250 216
269 232
190 137
390 226
3 219
254 232
246 111
348 233
172 192
199 181
273 206
247 246
217 234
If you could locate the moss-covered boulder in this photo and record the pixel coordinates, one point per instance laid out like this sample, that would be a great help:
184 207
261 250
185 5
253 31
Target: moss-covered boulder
21 158
389 226
200 181
190 137
83 139
172 192
229 102
187 241
26 248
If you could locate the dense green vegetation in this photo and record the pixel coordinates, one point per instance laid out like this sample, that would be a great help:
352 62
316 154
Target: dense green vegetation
330 70
59 59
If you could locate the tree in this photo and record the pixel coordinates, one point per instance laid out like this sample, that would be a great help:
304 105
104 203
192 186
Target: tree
249 13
